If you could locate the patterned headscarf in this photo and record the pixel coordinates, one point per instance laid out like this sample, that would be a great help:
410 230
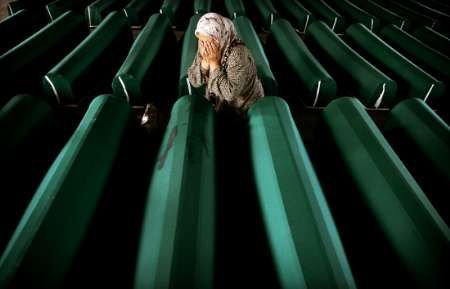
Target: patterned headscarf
218 27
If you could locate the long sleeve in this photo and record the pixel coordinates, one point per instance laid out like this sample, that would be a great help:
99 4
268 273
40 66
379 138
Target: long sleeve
238 83
196 76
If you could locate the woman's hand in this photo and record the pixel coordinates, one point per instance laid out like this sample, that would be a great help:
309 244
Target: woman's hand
205 66
201 48
212 53
202 52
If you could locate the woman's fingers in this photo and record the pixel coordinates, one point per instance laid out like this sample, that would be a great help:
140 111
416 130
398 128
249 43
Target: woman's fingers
209 49
213 51
215 44
213 47
201 46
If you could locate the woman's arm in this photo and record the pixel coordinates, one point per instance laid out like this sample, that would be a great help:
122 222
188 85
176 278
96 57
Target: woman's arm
196 73
233 82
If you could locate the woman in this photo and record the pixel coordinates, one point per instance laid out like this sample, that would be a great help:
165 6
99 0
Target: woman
224 64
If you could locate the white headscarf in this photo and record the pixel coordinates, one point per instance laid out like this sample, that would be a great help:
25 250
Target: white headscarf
219 28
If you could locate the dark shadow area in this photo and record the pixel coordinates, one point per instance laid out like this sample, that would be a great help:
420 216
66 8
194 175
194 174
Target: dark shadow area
108 253
161 80
371 257
434 183
287 79
23 170
183 14
243 256
219 7
343 79
23 74
97 78
289 84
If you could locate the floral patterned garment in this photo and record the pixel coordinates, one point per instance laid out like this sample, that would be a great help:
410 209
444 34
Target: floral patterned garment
236 82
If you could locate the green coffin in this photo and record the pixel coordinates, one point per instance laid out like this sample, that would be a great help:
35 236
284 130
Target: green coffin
422 138
45 242
385 15
19 26
305 244
89 69
353 72
431 60
170 8
323 11
235 8
248 34
411 79
299 16
202 6
433 39
21 116
410 224
138 11
177 239
99 9
188 52
22 68
356 14
59 7
267 12
319 86
134 79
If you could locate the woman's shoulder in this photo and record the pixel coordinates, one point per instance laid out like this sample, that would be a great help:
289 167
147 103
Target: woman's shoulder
240 51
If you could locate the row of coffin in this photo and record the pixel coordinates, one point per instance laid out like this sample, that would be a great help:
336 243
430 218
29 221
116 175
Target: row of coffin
305 245
406 14
177 237
385 68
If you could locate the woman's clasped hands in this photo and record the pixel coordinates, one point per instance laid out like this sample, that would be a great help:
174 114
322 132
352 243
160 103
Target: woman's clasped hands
210 53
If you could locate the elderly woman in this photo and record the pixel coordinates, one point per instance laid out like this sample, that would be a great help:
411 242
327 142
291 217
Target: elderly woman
224 64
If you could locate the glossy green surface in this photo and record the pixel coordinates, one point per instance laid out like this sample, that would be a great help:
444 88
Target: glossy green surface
24 23
427 138
320 86
356 14
305 245
367 82
248 34
202 6
188 52
433 39
22 116
46 241
177 239
99 9
129 80
429 59
235 8
33 57
59 7
267 12
411 79
322 11
299 16
138 11
90 67
410 224
385 15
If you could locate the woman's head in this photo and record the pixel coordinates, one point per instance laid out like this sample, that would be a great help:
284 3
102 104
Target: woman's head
215 26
